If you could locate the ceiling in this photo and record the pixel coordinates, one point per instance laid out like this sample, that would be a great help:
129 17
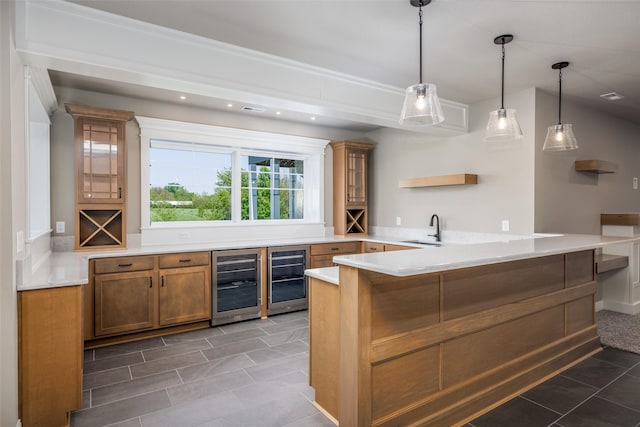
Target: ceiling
378 40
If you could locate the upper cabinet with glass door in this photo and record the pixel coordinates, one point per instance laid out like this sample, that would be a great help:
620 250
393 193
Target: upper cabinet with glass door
350 204
100 176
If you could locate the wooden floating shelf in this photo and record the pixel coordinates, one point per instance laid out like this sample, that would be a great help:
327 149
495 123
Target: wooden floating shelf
620 219
605 262
596 166
438 181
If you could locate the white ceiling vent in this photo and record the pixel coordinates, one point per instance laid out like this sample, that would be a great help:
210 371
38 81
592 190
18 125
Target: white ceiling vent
611 96
253 109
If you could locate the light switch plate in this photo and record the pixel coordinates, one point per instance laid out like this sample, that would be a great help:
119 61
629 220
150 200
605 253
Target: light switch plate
60 227
635 183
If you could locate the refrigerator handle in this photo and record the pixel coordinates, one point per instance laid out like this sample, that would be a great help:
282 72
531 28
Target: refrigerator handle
259 279
270 290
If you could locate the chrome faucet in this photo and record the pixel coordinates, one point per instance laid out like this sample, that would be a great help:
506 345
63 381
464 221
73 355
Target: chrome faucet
437 235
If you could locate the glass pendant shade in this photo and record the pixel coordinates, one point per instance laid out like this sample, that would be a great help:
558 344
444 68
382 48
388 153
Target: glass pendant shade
421 106
503 126
560 138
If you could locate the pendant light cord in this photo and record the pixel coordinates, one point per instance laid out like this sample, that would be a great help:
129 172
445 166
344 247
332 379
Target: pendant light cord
502 92
560 96
420 15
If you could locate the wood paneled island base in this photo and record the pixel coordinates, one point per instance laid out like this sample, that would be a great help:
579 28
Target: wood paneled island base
441 348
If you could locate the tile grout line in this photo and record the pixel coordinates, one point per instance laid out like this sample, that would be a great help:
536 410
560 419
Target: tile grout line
540 405
619 404
594 394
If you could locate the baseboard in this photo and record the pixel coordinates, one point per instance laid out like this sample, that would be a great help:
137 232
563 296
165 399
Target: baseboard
599 305
620 307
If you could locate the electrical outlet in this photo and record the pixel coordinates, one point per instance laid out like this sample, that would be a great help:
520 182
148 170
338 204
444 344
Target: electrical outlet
505 225
398 220
60 226
635 183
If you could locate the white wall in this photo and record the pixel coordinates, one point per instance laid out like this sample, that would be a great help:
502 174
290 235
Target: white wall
12 213
505 187
62 155
571 202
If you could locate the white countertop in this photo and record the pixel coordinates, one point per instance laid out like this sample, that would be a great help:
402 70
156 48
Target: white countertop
71 268
447 257
326 274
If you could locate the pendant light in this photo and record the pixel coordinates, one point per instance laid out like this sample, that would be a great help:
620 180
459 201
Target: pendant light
421 103
560 137
503 124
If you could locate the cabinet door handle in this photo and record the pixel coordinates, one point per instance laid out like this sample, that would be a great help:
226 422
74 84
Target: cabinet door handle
125 265
162 281
186 260
150 282
119 192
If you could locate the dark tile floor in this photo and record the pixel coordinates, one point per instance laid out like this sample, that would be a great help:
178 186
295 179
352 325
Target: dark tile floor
255 373
603 390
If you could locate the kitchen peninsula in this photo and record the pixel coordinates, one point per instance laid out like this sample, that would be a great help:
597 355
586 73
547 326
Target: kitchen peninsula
440 335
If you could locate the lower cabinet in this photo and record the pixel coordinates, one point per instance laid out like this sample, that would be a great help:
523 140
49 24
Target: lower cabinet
321 254
185 295
49 355
133 294
124 302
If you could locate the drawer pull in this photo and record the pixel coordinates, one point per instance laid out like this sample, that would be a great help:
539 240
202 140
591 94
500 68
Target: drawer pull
125 265
335 249
373 249
186 260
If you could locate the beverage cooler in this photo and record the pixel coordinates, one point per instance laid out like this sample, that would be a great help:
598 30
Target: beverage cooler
236 285
287 290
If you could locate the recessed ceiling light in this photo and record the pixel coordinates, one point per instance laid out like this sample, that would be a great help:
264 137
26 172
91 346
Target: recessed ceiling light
611 96
229 105
313 118
183 97
278 113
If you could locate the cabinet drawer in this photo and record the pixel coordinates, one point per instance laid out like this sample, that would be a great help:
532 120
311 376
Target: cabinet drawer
388 248
116 265
368 247
335 248
188 259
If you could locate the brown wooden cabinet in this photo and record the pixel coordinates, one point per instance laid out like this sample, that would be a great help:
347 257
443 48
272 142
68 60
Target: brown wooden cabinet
49 355
185 288
350 203
140 293
321 255
124 302
100 162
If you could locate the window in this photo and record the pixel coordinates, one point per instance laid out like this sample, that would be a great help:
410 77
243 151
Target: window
207 176
188 182
272 188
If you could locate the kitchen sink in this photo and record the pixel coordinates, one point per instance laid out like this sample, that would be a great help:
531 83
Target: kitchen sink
422 242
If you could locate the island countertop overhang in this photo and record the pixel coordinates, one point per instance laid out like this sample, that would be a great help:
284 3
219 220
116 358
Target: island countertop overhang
447 257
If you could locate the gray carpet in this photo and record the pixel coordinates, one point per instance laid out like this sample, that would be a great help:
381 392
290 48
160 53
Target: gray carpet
618 330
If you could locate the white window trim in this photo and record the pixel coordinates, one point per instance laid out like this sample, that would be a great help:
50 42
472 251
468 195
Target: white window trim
241 141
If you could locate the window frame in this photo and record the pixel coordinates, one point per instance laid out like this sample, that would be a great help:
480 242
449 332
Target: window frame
239 142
